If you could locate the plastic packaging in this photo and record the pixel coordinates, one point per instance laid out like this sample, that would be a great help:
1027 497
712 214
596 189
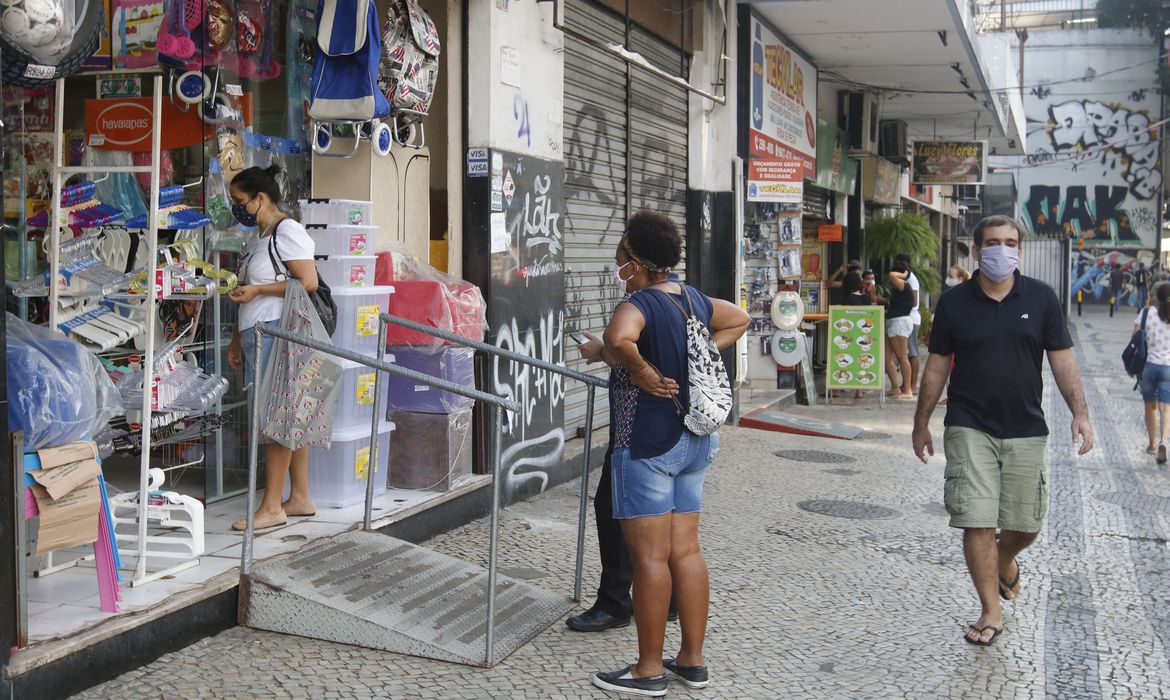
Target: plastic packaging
355 399
343 240
57 391
426 295
455 364
357 317
335 212
447 457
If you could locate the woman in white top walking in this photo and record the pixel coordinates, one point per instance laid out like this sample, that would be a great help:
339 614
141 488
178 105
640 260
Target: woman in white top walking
1155 378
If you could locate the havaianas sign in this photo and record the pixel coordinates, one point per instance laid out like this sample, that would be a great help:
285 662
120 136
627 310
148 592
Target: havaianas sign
125 124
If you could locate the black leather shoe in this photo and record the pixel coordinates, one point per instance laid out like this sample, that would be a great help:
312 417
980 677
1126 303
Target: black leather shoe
596 620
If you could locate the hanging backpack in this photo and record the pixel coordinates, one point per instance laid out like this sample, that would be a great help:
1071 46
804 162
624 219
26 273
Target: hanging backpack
707 382
410 59
1134 355
345 64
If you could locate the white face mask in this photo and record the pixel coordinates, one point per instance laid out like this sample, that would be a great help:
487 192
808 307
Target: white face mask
953 281
999 262
617 275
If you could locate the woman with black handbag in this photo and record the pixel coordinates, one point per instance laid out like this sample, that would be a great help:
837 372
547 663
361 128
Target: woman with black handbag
1155 376
256 200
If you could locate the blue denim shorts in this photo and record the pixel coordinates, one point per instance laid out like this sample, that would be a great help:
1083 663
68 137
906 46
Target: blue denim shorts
1155 383
248 344
670 482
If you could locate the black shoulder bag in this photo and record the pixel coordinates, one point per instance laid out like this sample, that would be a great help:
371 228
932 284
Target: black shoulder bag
322 297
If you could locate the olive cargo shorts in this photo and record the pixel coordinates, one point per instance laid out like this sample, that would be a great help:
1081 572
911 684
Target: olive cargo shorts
995 483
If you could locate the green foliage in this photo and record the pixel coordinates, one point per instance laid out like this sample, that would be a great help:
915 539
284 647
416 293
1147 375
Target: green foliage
886 236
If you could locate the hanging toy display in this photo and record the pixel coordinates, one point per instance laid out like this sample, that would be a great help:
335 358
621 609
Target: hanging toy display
134 30
43 40
344 93
409 68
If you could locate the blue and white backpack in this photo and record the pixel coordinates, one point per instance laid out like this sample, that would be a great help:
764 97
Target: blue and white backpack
345 65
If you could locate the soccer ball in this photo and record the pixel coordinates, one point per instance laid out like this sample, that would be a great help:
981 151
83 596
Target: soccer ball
33 24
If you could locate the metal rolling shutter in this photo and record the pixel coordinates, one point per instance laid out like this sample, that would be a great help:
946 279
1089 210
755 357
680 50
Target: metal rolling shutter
596 151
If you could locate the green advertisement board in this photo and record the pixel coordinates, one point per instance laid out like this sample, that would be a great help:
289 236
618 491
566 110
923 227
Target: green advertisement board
856 356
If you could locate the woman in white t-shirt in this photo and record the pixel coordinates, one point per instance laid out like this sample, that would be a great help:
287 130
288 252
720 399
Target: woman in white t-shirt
256 198
1155 378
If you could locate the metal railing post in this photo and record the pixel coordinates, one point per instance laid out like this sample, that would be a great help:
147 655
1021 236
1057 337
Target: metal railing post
253 456
372 465
489 653
590 390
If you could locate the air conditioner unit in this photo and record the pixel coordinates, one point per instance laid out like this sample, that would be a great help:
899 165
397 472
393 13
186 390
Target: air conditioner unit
967 193
892 141
861 112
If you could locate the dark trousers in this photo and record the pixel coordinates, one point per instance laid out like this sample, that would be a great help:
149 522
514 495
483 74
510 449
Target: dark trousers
617 573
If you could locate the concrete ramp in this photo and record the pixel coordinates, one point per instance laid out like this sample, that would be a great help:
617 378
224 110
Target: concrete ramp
374 591
774 419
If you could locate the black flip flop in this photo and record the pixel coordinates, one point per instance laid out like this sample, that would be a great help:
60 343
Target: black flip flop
996 631
1008 585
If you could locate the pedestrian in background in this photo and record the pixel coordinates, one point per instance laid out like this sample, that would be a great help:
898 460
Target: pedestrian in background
899 327
658 465
869 283
1141 285
1116 279
956 275
916 319
1155 377
997 329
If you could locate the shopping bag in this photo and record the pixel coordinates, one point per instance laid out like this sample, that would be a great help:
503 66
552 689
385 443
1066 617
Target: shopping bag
298 392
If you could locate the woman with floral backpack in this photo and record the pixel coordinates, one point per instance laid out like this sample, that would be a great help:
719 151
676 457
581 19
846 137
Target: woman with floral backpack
664 442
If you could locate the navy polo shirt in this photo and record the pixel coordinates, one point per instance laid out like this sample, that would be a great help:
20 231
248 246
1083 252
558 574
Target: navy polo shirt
998 350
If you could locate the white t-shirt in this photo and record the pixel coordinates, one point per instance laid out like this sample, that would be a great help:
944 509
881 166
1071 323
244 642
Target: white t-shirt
915 314
1157 337
292 243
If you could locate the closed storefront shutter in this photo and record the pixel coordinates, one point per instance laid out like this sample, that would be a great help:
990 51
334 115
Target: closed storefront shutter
598 151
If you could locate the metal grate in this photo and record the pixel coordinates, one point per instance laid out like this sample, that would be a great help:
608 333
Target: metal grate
851 510
820 456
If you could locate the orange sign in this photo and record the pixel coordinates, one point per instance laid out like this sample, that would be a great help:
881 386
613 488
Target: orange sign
124 124
830 233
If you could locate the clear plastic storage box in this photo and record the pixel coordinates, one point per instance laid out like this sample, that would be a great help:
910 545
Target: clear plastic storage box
347 270
357 317
337 476
355 398
343 240
335 212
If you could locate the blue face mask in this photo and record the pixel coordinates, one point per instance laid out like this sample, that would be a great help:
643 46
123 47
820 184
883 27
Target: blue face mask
240 211
999 262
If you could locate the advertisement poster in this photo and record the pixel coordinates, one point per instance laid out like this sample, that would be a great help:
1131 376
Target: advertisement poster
780 181
783 101
949 163
811 255
810 294
856 351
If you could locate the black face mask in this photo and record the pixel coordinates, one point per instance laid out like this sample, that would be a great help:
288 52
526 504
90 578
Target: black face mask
240 211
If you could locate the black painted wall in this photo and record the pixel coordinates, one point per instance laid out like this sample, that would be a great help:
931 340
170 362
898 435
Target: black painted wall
524 286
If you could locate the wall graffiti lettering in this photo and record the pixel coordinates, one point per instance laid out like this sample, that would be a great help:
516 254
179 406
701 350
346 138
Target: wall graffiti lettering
520 114
526 315
1072 213
1115 135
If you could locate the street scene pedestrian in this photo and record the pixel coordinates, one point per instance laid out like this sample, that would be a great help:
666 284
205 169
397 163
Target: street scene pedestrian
916 319
997 329
1141 285
899 329
658 465
1155 377
1116 285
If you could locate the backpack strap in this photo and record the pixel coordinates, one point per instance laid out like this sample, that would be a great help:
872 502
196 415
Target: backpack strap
274 254
1145 315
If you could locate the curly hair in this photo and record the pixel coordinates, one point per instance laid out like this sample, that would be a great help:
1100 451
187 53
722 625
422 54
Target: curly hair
652 240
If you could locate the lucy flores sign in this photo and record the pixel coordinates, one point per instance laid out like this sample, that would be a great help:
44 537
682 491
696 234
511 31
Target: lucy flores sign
783 101
949 163
779 181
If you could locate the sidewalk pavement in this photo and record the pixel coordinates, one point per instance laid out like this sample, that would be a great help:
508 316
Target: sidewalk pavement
866 599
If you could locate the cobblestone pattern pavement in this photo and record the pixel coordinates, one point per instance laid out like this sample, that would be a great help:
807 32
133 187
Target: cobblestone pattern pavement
810 605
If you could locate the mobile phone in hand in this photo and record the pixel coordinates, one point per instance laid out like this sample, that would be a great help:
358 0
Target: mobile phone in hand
578 337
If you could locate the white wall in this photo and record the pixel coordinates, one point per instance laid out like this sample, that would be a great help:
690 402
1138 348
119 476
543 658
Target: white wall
712 130
518 110
1092 169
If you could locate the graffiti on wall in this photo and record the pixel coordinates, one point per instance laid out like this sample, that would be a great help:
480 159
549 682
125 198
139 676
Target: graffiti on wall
1103 276
526 315
1096 175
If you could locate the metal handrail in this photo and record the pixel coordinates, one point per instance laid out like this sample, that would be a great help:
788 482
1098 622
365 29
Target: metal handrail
591 383
380 365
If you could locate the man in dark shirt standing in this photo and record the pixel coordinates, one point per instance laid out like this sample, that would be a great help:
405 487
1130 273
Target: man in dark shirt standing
1116 279
997 328
1141 285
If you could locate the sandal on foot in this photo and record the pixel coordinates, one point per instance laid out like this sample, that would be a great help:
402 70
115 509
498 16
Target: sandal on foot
1161 454
1007 586
979 632
306 511
1151 450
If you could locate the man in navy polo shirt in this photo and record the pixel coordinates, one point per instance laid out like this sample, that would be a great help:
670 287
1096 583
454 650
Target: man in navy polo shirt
997 328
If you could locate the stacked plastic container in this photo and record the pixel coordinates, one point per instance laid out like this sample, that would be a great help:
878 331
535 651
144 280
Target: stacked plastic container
439 421
343 237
